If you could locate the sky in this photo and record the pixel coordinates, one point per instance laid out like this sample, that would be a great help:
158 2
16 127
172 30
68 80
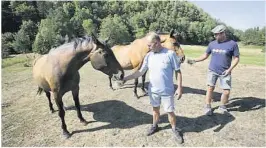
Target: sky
237 14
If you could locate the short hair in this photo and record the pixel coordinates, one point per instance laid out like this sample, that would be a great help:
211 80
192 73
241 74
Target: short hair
152 36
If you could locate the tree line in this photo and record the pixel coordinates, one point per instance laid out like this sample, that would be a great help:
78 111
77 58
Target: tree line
38 26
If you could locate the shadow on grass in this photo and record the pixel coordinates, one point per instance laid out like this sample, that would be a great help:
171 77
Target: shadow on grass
119 115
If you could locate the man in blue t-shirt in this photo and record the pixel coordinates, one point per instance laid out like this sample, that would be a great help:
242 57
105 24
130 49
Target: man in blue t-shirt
225 56
161 64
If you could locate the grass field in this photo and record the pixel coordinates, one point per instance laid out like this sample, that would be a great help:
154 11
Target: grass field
249 55
18 59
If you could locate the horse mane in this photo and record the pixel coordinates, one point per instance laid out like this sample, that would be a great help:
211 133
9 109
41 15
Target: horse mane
163 33
78 41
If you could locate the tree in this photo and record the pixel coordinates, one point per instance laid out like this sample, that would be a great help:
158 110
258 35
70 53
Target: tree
77 21
43 8
22 42
25 37
25 10
89 27
46 37
10 22
114 29
7 44
254 36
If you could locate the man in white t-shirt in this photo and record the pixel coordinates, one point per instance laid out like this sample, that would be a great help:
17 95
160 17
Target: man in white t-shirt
161 64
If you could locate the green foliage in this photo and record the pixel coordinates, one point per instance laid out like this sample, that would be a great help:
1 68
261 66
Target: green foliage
43 8
61 21
89 27
115 30
24 9
122 21
24 38
22 42
7 44
254 36
77 21
46 37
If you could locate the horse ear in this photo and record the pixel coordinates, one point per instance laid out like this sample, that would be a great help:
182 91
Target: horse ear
172 32
94 38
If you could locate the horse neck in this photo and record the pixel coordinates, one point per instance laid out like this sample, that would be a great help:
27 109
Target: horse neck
73 60
80 58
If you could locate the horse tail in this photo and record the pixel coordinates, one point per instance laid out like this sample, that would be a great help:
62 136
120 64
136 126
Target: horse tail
39 91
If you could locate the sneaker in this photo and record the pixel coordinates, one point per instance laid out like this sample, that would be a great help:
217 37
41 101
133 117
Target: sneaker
223 110
208 111
153 130
177 136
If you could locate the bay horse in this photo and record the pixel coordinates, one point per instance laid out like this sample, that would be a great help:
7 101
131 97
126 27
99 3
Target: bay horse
131 56
57 71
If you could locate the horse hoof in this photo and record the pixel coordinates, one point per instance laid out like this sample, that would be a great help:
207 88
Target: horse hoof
66 135
144 92
135 95
52 111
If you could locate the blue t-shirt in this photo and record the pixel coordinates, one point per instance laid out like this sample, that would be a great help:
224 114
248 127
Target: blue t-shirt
222 54
161 66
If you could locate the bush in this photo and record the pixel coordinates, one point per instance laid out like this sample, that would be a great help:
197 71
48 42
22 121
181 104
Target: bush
24 38
7 44
46 37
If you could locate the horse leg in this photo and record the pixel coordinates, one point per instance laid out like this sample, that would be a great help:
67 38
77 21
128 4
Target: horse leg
61 113
48 95
75 94
110 83
143 83
135 88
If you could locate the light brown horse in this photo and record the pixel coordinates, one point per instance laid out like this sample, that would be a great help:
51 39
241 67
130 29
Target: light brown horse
131 56
57 71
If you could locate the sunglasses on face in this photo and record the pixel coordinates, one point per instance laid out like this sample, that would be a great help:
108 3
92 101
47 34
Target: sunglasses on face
216 34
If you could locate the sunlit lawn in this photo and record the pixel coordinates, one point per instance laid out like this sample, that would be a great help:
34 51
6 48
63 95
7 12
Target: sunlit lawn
250 55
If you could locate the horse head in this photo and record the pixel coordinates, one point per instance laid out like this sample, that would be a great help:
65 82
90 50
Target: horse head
104 60
171 42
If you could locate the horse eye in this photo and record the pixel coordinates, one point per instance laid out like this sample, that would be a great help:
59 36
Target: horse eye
105 55
175 44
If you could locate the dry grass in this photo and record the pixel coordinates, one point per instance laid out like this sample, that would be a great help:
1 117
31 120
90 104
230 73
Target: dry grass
118 119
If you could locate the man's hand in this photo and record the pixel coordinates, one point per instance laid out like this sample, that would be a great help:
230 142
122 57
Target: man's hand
226 72
178 94
189 61
182 59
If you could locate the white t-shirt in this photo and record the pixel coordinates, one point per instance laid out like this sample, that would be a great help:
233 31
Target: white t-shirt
161 66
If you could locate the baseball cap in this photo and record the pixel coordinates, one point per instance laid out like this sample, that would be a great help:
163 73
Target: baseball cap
219 29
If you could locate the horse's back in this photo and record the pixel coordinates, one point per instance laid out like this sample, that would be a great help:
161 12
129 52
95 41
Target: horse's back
131 56
139 50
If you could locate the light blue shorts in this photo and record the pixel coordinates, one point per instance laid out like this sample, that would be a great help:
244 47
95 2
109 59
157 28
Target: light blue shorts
225 81
167 101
